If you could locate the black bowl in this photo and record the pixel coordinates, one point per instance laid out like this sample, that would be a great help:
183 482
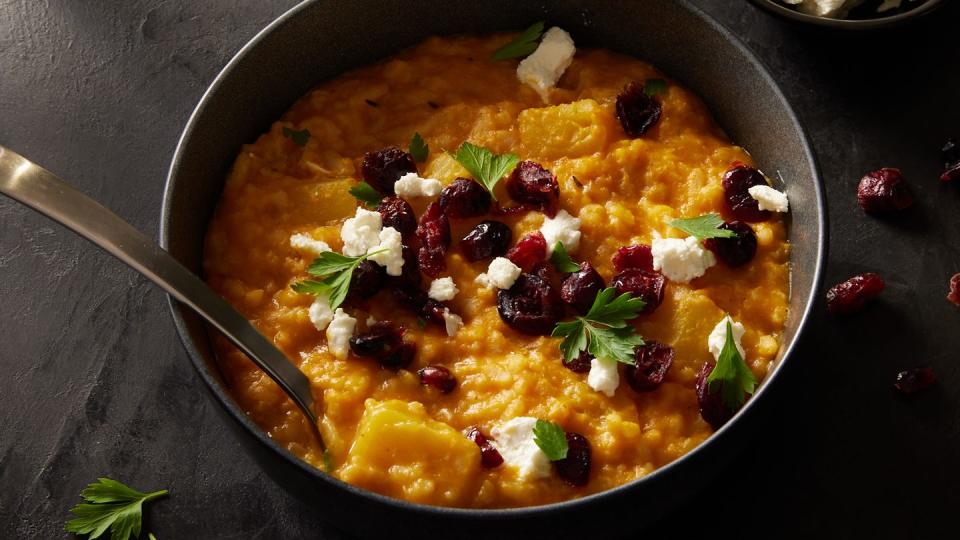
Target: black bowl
884 20
318 40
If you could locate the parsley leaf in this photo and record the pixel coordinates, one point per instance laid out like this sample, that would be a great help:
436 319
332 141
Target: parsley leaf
603 331
653 87
561 260
110 505
731 374
419 148
522 45
551 439
366 194
486 167
336 271
703 227
299 138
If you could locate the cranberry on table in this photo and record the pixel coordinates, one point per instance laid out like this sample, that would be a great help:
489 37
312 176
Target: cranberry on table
487 240
397 213
712 408
581 287
852 294
489 456
883 190
400 357
580 364
635 256
637 111
464 198
737 250
382 169
438 377
914 380
652 361
954 294
531 184
379 340
645 285
531 306
434 235
530 251
736 185
575 468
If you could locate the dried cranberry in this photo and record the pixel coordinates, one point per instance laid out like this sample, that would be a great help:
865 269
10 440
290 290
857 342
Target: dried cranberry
434 235
464 198
531 184
883 190
736 185
433 310
580 364
531 305
488 239
382 169
529 251
642 284
410 273
438 377
581 287
489 456
380 339
397 213
637 111
368 278
914 379
954 294
651 363
712 408
575 468
951 174
737 250
636 256
854 293
400 357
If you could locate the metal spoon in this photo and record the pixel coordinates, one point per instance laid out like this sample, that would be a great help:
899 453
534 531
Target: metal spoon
38 188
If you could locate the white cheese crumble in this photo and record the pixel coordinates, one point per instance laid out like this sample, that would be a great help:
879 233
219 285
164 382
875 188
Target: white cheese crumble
443 289
719 336
307 243
339 332
542 69
681 260
769 199
361 232
563 228
603 376
392 258
501 274
412 185
320 313
514 441
452 321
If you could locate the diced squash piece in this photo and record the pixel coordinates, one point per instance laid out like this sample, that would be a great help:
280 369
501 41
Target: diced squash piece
570 130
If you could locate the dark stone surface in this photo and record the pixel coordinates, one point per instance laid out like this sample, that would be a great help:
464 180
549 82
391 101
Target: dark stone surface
96 383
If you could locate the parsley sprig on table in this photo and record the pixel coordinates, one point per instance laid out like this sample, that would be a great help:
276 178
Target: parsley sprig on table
367 194
561 260
335 271
522 45
419 149
110 505
603 331
485 166
551 439
703 227
731 376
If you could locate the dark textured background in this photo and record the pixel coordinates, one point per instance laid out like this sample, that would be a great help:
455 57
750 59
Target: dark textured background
94 381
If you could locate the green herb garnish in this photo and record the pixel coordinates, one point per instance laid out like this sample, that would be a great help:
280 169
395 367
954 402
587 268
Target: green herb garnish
522 45
366 194
653 87
485 166
110 505
551 439
299 138
731 374
327 461
603 331
561 259
419 148
703 227
335 271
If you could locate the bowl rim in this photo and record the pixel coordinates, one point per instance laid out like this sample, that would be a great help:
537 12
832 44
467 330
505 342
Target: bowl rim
849 24
233 409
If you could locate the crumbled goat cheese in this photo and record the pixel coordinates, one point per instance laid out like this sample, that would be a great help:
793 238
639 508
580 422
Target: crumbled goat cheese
339 332
501 274
392 258
320 313
361 232
514 441
307 243
563 228
769 199
443 289
681 260
719 336
452 321
542 69
412 185
603 376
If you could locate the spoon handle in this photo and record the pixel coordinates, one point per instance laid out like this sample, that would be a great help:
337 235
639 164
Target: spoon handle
38 188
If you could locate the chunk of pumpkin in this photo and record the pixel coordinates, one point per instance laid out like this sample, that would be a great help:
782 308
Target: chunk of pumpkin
569 130
401 452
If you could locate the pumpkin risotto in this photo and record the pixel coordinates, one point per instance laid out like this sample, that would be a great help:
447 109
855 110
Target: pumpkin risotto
462 299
